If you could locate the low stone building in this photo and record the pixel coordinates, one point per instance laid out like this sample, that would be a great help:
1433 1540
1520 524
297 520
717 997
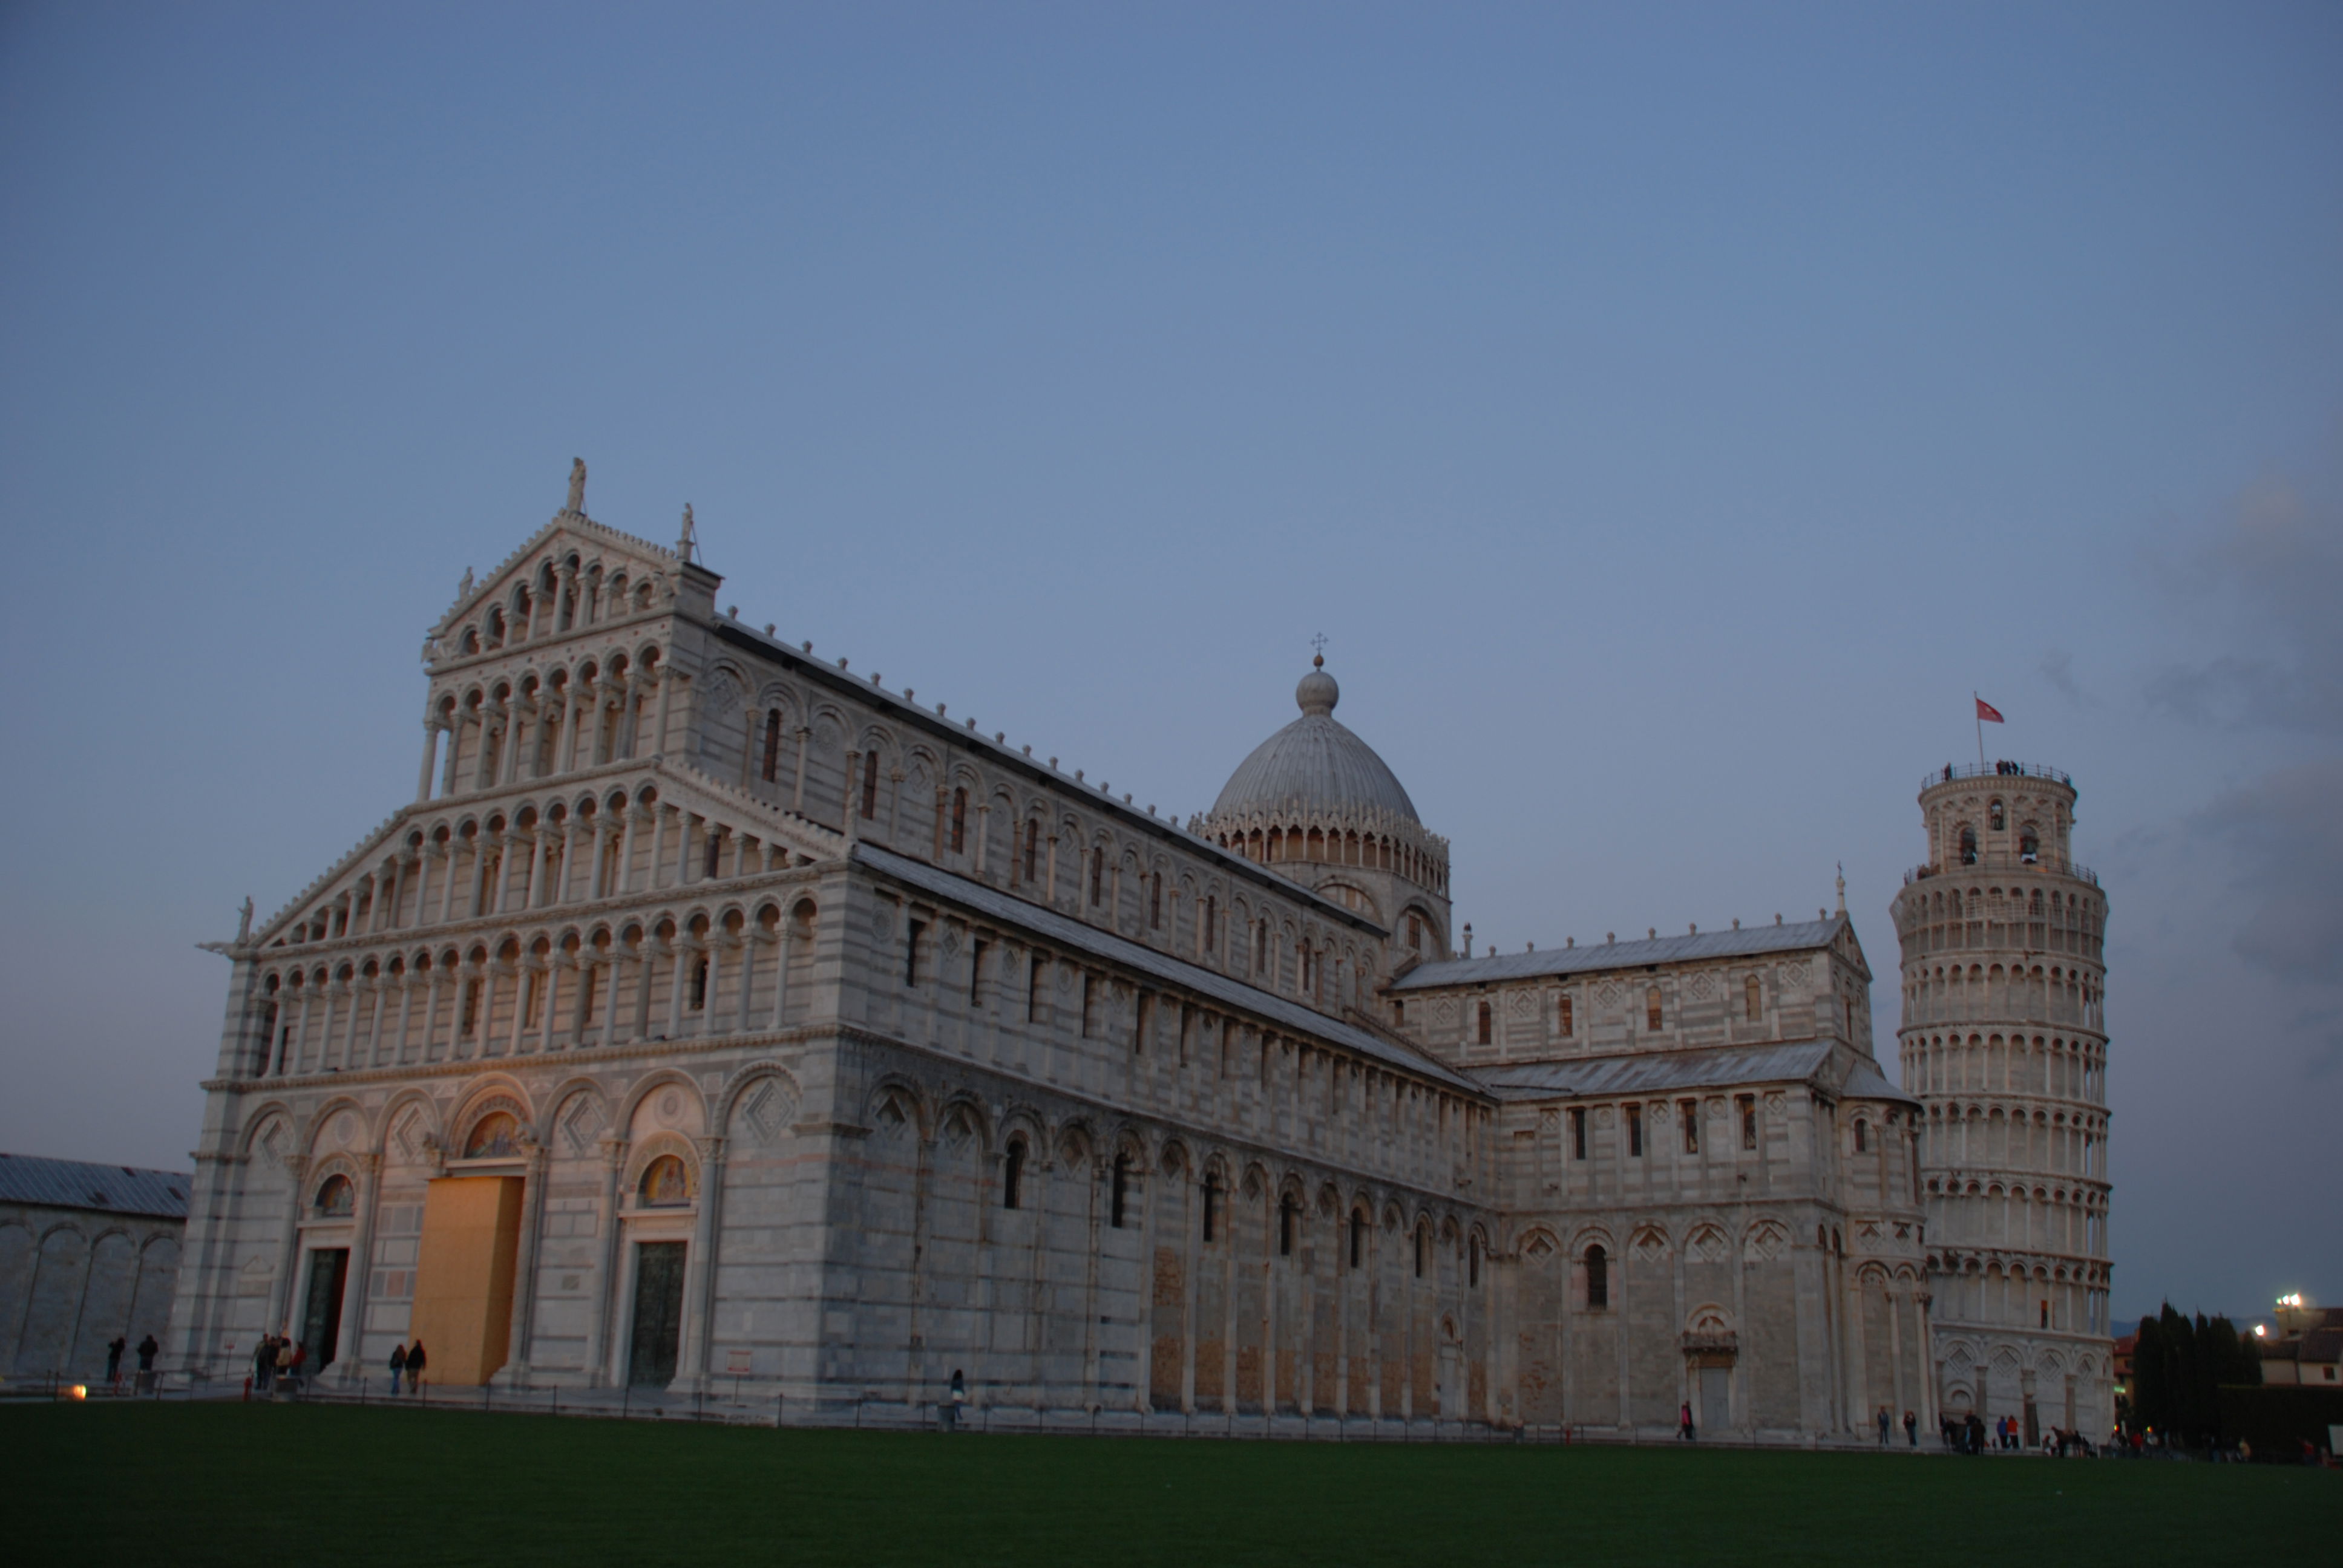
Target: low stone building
87 1253
715 1016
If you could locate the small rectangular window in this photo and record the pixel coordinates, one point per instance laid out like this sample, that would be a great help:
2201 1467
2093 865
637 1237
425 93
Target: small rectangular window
1748 1104
871 784
1689 1113
1089 992
976 972
912 953
1635 1130
1033 991
1211 1205
1566 1022
1578 1132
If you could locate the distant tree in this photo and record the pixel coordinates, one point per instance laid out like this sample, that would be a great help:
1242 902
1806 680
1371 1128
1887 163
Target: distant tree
2178 1366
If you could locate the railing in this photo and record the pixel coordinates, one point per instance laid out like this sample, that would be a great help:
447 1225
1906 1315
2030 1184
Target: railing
732 1406
2002 860
1952 770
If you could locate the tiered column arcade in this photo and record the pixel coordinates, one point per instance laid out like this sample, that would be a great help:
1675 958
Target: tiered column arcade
2004 1040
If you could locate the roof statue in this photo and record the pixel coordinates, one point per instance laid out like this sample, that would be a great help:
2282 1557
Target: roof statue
689 540
577 486
464 588
243 921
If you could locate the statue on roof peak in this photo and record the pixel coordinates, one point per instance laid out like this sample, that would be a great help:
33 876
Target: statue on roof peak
687 541
577 486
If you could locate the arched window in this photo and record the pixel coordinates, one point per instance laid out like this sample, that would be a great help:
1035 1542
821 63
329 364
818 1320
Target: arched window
1566 1022
772 744
336 1198
959 822
1211 1204
1651 1009
1211 923
496 1136
1358 1238
1862 1136
1472 1265
1995 819
1097 874
1482 1029
871 784
1420 1239
1598 1279
1753 998
1415 932
1968 846
1288 1210
698 985
1012 1176
1635 1130
1122 1191
1032 846
1155 901
713 859
2030 847
666 1184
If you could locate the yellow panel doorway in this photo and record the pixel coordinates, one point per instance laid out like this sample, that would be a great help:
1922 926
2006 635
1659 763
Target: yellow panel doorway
464 1276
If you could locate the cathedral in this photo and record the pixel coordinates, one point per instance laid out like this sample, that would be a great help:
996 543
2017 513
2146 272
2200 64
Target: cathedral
714 1017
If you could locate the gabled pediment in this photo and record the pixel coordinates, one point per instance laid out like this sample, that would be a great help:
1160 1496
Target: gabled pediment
594 553
336 892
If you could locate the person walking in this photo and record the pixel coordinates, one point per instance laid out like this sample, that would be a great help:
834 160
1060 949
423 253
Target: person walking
398 1366
1912 1429
1882 1426
148 1351
114 1349
958 1398
1684 1423
415 1367
284 1382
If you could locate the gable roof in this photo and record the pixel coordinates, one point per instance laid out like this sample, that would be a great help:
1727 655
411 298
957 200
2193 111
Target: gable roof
1234 994
1715 1067
1745 942
75 1184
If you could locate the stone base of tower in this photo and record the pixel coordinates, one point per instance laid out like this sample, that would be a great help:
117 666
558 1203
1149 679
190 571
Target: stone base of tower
2044 1378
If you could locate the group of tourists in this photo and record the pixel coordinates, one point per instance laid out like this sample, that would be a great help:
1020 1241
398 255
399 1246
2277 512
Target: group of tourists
1887 1424
407 1362
281 1364
116 1348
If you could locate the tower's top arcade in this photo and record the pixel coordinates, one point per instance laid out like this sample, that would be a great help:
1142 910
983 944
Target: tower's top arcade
2000 815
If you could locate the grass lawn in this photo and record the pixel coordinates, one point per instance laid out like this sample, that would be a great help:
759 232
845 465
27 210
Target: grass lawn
132 1482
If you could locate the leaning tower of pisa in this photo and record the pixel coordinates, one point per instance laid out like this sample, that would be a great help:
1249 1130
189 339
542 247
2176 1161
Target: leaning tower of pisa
2004 1040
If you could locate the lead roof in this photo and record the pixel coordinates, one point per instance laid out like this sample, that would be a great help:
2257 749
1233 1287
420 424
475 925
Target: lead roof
1747 942
75 1184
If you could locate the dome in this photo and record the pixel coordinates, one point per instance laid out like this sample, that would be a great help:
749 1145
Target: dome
1314 764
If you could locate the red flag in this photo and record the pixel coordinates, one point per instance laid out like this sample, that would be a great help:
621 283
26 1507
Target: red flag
1987 713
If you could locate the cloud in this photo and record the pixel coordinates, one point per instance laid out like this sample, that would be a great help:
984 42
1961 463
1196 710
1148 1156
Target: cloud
2285 836
2057 668
2272 580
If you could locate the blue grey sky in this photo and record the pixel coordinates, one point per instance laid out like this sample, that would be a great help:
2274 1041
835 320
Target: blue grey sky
1670 415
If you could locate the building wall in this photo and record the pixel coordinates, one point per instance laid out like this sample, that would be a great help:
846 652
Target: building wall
71 1280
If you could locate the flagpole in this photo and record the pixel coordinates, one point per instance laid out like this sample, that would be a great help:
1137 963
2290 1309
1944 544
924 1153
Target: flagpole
1974 701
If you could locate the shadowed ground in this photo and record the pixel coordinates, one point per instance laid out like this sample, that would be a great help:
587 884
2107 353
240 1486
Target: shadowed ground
292 1484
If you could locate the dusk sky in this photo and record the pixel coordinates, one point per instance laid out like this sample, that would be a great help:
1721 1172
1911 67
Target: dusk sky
1669 413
